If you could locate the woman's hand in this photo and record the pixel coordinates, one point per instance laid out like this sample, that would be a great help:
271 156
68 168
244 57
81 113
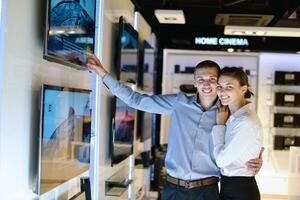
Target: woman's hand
255 164
95 65
222 115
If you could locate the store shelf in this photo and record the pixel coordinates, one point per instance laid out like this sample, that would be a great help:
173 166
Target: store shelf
286 88
286 131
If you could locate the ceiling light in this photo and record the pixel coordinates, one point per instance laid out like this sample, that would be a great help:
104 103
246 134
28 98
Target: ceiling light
262 31
230 50
238 33
170 16
247 33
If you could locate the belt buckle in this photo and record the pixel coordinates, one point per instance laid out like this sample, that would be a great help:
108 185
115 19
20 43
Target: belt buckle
187 184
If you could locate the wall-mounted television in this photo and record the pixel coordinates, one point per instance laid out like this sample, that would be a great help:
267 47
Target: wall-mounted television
70 31
65 133
146 83
127 52
122 131
148 67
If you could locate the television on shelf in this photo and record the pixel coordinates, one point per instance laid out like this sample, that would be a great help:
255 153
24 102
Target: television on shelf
122 131
65 133
127 52
70 32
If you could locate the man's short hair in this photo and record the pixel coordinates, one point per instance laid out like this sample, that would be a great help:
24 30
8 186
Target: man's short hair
208 64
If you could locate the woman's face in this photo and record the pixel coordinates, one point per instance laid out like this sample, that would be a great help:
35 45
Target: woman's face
230 91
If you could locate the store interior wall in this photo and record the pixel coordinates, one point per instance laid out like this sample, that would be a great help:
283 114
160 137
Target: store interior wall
24 71
113 9
274 174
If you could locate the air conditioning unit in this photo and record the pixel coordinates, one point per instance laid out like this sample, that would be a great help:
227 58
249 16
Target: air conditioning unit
243 19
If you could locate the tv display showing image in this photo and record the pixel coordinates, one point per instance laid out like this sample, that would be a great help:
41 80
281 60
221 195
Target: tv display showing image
70 31
65 133
148 67
123 131
127 55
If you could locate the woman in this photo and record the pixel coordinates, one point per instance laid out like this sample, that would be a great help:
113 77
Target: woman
237 138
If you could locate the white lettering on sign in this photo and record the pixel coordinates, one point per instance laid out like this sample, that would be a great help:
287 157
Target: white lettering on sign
221 41
206 40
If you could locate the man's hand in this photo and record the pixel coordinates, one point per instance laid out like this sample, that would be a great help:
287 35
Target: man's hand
256 163
95 65
222 115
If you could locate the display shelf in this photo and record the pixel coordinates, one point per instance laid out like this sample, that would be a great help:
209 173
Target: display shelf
286 131
117 184
286 98
286 88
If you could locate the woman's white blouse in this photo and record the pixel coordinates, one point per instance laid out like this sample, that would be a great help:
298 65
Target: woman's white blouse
237 142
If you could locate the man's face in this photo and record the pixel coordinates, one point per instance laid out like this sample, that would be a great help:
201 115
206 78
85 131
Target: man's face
206 80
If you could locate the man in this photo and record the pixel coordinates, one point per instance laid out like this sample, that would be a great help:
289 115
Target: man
191 167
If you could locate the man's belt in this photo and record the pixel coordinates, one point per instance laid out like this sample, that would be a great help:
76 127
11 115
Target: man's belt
194 183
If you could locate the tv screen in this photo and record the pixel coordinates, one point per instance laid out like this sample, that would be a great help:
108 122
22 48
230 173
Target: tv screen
65 133
123 131
127 54
148 67
70 31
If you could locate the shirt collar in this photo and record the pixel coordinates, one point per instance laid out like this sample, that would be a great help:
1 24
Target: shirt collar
241 111
215 105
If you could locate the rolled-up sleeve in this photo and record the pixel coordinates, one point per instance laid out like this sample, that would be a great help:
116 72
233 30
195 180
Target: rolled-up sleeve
160 104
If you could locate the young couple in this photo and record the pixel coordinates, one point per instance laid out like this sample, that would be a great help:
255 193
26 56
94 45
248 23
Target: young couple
206 139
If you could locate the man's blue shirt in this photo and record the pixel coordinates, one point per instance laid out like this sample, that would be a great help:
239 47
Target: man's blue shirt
190 145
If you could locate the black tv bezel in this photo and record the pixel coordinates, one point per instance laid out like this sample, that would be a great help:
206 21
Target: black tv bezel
113 132
41 126
57 59
122 25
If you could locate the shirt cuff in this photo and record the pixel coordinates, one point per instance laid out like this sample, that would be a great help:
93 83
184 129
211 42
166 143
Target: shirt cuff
218 134
109 81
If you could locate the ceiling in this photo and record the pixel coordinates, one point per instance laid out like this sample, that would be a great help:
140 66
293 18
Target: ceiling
200 16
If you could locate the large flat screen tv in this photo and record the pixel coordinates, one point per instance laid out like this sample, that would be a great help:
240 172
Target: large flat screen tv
127 52
122 131
145 120
65 133
70 31
148 67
